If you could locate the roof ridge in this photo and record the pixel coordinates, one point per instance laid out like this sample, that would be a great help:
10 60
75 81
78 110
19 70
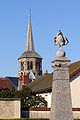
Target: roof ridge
12 82
74 71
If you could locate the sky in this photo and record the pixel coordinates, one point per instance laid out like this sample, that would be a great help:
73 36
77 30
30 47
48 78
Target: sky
47 16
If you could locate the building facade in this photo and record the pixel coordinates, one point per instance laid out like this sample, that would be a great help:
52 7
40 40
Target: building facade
43 85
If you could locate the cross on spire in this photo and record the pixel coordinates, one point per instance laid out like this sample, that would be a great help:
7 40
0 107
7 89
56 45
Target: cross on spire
30 12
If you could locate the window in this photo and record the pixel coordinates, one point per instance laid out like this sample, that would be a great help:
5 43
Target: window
22 66
31 65
38 66
28 65
21 75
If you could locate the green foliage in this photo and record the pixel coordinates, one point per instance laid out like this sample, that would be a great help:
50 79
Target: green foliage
28 98
7 94
27 119
30 119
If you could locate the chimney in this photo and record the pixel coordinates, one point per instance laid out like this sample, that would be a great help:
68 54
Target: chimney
25 79
46 72
19 84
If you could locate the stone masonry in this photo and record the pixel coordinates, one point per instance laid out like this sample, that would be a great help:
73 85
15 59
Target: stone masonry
61 106
10 108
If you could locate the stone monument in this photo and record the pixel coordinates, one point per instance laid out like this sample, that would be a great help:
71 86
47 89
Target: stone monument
61 105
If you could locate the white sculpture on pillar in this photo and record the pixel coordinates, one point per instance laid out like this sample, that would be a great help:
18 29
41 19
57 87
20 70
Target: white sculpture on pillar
60 40
61 104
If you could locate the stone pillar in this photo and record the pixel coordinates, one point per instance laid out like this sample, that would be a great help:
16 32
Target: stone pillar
61 105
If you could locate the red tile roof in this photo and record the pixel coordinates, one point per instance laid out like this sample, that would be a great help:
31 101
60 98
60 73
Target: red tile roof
74 68
4 84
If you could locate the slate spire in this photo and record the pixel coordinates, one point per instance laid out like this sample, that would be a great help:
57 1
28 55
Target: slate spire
30 43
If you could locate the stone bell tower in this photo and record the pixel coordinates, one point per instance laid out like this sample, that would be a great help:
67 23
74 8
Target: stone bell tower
30 62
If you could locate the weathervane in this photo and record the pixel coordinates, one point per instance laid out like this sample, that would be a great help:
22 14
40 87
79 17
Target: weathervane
61 41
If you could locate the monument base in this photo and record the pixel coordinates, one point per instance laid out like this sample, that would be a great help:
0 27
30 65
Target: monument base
61 105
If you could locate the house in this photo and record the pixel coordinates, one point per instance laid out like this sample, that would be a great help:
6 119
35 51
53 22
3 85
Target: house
43 85
13 81
9 83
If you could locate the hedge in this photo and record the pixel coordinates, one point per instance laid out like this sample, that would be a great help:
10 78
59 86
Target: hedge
26 119
31 119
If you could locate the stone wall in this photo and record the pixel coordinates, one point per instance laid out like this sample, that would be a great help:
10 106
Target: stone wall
76 114
10 108
39 113
45 113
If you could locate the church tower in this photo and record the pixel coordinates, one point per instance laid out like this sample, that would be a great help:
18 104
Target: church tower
30 62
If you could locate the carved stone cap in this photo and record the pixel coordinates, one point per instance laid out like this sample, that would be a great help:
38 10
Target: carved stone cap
61 62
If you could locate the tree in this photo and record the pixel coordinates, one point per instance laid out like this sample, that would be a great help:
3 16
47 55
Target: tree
28 98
